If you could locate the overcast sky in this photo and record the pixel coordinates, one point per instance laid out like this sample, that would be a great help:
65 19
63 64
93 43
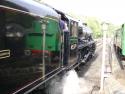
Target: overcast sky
109 10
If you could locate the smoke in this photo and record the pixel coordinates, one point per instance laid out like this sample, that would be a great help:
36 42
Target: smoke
55 86
70 84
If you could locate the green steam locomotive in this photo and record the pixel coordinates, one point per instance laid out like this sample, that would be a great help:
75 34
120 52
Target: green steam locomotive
33 48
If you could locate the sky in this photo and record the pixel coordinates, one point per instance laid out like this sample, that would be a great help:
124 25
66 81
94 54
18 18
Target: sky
107 10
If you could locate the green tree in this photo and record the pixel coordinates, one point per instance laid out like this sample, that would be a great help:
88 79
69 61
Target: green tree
95 25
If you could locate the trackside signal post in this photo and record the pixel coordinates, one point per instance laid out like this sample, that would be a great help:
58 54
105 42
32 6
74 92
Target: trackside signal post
104 30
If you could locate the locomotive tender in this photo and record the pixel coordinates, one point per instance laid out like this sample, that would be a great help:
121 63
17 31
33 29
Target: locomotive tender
32 46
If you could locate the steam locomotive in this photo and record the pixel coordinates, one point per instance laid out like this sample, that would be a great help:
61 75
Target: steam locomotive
33 48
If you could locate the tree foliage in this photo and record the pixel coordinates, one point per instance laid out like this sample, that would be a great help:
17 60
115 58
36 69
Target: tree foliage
95 25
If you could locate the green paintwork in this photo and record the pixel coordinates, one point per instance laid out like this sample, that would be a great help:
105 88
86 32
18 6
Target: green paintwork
35 37
52 39
123 39
73 40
